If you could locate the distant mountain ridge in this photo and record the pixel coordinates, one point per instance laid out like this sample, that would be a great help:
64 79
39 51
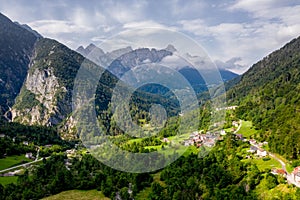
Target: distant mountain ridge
128 58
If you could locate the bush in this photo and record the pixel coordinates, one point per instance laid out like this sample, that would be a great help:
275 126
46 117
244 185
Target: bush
266 159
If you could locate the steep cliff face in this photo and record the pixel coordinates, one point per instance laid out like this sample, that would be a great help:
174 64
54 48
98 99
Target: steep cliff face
45 98
45 110
46 95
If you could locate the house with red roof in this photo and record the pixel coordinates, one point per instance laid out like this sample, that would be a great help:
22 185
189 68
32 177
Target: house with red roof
281 172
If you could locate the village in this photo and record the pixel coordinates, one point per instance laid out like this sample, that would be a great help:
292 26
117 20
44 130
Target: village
256 150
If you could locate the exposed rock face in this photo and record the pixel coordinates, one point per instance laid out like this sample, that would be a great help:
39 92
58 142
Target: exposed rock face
98 56
68 129
136 57
45 86
122 60
91 48
45 98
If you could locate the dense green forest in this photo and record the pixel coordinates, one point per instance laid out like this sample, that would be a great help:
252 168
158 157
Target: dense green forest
220 175
15 134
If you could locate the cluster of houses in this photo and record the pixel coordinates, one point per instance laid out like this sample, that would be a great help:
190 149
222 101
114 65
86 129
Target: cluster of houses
71 153
29 155
256 148
199 139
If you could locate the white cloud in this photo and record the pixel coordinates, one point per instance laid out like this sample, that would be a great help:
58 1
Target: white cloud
124 12
249 29
196 26
85 18
143 24
174 61
57 26
232 65
193 7
271 25
254 5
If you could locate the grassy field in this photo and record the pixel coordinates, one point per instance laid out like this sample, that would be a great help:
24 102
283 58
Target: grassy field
158 147
78 195
262 165
11 161
137 140
247 129
228 130
5 180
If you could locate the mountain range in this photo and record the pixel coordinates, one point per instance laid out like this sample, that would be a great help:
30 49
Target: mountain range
37 76
120 61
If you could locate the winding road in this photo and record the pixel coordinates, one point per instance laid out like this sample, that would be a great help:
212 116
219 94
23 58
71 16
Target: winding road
22 165
288 177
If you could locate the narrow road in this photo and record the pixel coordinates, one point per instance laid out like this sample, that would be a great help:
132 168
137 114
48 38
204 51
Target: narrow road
281 162
37 154
22 165
289 177
238 127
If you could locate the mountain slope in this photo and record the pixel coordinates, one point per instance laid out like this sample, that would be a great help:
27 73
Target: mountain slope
37 77
46 95
197 81
269 95
16 46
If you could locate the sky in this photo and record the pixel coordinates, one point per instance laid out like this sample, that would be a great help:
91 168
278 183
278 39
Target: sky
234 33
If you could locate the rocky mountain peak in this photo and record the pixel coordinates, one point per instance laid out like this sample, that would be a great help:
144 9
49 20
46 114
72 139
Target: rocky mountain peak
171 48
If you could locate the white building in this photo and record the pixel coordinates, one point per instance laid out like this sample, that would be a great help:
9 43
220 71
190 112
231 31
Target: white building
222 132
261 152
28 155
235 123
296 174
252 141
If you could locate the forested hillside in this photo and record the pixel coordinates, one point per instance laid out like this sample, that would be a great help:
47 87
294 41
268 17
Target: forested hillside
16 46
269 95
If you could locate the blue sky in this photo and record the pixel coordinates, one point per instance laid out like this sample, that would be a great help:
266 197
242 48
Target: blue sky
235 34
